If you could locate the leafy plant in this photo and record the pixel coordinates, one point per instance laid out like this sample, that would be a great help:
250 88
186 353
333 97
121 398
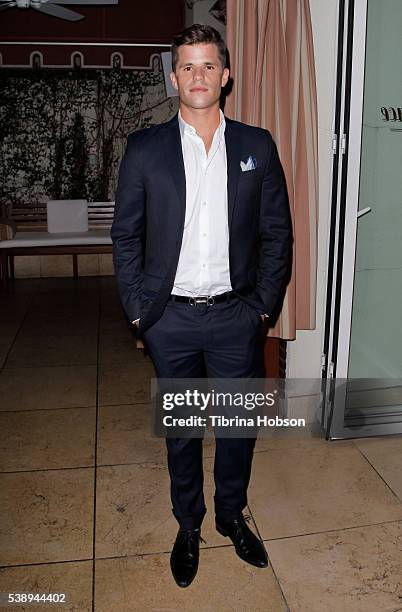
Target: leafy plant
62 133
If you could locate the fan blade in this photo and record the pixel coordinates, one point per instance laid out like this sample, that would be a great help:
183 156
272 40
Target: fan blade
3 7
93 2
58 11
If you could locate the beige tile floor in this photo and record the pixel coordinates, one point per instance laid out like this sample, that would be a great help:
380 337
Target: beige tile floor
84 504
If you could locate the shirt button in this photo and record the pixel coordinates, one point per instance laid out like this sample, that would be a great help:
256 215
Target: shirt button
203 265
204 235
204 203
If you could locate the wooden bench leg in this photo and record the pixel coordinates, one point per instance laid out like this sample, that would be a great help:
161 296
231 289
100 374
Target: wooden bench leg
75 266
3 269
12 275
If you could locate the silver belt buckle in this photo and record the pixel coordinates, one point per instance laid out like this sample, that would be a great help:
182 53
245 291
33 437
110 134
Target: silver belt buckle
193 301
210 300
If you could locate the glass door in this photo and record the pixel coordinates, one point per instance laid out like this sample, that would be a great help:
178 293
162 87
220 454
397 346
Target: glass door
366 366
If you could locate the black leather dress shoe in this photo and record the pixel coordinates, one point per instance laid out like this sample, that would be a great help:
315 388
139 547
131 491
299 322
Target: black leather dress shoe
185 555
247 545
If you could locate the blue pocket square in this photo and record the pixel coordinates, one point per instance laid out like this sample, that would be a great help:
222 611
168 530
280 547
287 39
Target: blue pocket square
250 164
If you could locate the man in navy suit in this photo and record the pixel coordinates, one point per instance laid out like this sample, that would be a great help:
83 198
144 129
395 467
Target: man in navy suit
202 238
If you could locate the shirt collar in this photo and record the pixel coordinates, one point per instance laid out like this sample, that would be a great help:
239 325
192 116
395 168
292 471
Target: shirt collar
189 129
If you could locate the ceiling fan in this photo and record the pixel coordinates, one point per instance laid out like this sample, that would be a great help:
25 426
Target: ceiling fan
50 7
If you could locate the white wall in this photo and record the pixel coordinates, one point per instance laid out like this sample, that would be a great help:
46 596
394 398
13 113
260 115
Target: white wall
304 353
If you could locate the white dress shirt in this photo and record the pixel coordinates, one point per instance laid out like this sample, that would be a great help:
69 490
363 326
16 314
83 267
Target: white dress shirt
203 267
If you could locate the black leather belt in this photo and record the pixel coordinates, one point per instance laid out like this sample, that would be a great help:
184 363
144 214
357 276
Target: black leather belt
209 300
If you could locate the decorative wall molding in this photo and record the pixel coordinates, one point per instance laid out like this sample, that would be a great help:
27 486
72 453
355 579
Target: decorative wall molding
77 58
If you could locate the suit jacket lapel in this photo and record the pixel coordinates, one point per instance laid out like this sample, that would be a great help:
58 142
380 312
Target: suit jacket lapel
233 145
174 158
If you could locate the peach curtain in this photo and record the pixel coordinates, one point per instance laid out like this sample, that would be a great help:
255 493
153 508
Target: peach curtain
272 64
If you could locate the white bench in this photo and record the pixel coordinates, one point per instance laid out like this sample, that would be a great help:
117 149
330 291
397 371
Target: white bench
96 240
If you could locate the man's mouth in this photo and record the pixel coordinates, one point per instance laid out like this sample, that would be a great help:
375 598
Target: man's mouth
199 89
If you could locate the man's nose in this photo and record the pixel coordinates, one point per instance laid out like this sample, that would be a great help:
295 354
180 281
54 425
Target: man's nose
198 74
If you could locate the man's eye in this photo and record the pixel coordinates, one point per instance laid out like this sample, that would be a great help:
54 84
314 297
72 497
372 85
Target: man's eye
187 68
210 67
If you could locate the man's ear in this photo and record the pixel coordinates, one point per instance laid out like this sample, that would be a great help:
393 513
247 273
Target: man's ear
174 80
225 76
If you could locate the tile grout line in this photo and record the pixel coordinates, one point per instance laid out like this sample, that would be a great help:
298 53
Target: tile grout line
129 463
318 533
29 303
166 552
59 469
270 562
92 364
314 533
87 467
74 408
378 474
96 447
50 365
35 410
5 567
124 404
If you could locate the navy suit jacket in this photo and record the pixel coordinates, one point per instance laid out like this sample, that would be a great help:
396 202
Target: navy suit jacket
149 216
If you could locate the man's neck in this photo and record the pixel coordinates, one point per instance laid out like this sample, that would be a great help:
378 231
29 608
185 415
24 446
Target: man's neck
204 120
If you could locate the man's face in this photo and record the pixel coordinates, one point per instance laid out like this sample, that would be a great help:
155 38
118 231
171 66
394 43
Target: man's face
199 75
